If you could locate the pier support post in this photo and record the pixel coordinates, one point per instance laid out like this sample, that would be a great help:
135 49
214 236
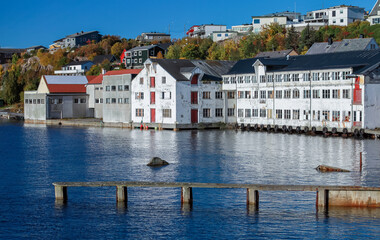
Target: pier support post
121 194
186 195
322 199
60 193
253 198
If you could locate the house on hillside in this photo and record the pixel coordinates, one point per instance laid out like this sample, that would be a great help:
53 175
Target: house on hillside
205 30
76 40
277 54
6 54
153 37
179 93
218 36
374 15
339 15
76 68
343 46
57 97
321 92
135 57
101 58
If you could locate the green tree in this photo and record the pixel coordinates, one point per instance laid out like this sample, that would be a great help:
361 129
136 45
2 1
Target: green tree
204 46
307 39
190 51
11 89
95 70
174 52
292 39
117 49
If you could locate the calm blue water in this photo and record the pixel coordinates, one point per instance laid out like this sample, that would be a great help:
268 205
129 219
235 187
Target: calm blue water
35 156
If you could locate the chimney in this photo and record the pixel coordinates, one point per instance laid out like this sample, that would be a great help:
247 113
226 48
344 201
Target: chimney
361 36
330 41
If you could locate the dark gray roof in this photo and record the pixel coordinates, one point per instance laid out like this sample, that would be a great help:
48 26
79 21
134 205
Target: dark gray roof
344 45
144 48
11 50
360 61
80 34
165 46
274 54
213 69
101 58
375 9
77 63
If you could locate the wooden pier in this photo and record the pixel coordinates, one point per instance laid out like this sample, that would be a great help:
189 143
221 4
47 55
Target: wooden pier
347 196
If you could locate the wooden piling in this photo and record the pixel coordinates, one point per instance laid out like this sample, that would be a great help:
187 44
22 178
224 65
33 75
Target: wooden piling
60 193
121 194
253 197
361 161
186 195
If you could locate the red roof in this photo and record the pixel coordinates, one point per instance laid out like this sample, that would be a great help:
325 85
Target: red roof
90 78
67 88
124 71
96 80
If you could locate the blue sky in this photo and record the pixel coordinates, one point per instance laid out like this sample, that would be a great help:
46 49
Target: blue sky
26 23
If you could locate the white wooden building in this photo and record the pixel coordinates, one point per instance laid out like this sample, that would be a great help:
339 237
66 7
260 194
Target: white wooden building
323 92
179 93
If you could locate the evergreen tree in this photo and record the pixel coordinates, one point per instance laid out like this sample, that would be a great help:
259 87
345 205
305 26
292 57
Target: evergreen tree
292 39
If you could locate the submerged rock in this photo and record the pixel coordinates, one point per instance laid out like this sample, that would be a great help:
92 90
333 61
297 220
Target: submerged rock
324 168
157 162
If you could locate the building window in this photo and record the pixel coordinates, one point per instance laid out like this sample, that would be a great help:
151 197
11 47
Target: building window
140 60
262 79
76 100
256 21
315 77
255 94
296 77
108 100
219 112
247 79
341 20
82 100
206 112
278 78
263 113
126 100
316 115
139 95
316 94
287 114
206 95
113 100
306 77
240 79
120 87
38 101
296 93
326 93
306 93
240 113
140 53
326 115
97 100
254 79
233 79
346 93
113 88
263 94
269 78
126 87
231 95
296 114
152 82
278 114
135 53
287 94
336 116
108 88
120 101
325 76
139 112
286 77
166 113
218 95
247 113
255 113
335 76
231 112
194 97
163 80
270 94
226 80
306 114
101 100
278 94
141 81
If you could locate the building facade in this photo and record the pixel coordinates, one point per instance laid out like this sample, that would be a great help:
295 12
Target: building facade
135 57
339 15
259 22
374 15
76 40
324 92
78 68
223 35
179 93
57 97
153 37
205 30
94 90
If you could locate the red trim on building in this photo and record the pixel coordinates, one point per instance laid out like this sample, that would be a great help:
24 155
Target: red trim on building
124 71
67 88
